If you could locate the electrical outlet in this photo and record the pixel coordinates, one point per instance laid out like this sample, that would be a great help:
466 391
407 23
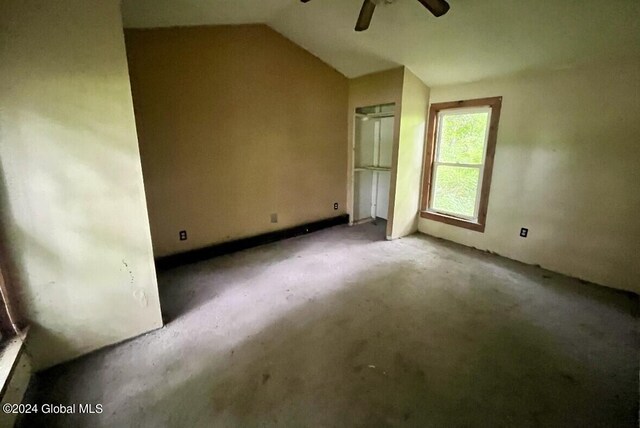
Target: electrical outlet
183 235
335 206
274 218
524 232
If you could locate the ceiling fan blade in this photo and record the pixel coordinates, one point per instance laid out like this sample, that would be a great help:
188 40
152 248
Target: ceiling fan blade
437 7
366 13
305 1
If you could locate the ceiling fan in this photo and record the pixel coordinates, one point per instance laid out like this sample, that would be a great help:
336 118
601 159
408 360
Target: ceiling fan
436 7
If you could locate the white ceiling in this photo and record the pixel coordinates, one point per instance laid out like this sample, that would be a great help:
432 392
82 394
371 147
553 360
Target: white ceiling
477 39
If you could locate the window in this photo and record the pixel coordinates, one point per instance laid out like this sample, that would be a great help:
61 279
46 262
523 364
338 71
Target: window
461 143
7 327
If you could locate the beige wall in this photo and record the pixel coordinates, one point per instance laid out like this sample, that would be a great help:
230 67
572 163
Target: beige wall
235 123
373 89
408 178
73 206
567 166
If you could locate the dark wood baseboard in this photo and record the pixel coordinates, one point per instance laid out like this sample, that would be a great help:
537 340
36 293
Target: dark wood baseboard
200 254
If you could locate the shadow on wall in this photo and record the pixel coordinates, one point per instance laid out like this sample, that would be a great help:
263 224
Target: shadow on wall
15 242
75 246
388 349
8 262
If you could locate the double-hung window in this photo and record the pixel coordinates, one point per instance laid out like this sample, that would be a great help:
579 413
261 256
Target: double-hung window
461 142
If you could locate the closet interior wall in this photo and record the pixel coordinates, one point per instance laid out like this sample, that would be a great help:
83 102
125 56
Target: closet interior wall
372 162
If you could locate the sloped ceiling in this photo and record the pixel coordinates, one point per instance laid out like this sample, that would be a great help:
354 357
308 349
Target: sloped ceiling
475 40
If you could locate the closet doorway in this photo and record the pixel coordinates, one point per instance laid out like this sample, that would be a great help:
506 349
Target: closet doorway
373 147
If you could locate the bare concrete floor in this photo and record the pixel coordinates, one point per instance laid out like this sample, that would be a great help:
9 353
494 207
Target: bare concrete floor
342 329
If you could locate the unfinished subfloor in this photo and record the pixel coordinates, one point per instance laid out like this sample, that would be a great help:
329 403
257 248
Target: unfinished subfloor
342 329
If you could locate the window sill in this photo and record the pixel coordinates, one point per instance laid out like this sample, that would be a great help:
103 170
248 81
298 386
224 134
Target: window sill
9 356
10 351
453 221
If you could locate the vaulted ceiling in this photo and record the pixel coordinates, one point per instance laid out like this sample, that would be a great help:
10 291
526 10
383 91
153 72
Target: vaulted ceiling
474 41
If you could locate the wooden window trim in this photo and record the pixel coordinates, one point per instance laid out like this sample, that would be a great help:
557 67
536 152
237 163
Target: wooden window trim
8 327
495 103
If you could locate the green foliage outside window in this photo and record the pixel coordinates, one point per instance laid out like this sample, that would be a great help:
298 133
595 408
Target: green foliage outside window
462 142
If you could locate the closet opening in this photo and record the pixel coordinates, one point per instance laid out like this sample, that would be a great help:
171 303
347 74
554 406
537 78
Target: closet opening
373 146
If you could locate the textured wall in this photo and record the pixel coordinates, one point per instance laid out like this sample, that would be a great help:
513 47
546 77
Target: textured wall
408 179
235 123
73 206
567 167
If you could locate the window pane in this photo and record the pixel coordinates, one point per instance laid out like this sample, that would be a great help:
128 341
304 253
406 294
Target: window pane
455 189
463 137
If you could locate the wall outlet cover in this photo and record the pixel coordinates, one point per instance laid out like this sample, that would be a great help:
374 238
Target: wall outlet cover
183 235
274 218
335 206
524 232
